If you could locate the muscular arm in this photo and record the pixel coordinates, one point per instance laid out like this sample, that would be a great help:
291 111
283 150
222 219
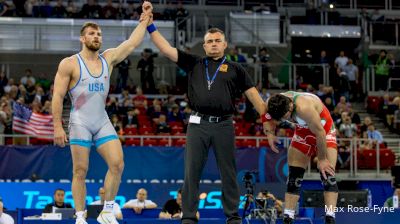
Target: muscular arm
311 117
118 54
256 100
61 83
164 47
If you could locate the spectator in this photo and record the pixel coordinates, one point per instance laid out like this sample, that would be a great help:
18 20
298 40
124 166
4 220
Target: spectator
171 100
3 82
140 100
329 104
46 109
175 114
123 97
131 119
28 75
46 10
19 8
341 61
394 71
263 59
140 202
150 109
343 105
348 129
4 217
59 10
109 11
235 56
162 126
386 110
169 12
121 11
123 74
132 12
352 73
323 58
382 71
91 10
72 10
181 14
343 117
7 87
329 92
146 67
374 135
125 105
3 8
43 80
336 115
172 209
112 106
344 85
355 118
22 94
364 126
116 209
320 92
39 95
29 7
117 124
58 202
156 113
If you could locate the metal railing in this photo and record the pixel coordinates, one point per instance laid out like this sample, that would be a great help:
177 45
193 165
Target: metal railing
383 34
370 83
352 148
256 28
284 74
62 35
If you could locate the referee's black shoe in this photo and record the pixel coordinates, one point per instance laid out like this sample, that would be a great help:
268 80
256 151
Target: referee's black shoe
330 220
287 220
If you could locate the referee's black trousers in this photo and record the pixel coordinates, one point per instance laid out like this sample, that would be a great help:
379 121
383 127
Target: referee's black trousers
200 137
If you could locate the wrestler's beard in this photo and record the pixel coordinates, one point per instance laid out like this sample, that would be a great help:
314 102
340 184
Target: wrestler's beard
93 47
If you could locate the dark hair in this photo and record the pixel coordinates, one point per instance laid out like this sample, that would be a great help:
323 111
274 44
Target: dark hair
216 30
89 24
59 189
278 106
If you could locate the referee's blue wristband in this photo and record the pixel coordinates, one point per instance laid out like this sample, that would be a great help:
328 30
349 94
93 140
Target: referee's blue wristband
151 28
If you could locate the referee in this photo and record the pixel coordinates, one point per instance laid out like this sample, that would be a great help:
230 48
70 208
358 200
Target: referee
213 84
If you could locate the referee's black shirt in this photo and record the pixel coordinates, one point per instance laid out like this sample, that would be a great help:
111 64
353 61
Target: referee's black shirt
231 80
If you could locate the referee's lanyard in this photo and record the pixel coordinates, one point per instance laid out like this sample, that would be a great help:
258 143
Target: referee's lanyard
210 82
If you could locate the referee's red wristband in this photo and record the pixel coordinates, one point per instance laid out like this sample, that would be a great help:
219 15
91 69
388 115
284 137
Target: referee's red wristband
266 117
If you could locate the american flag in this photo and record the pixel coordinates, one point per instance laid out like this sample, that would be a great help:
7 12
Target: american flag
31 123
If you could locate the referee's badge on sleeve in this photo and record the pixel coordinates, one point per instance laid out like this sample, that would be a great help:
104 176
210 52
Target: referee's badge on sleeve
223 68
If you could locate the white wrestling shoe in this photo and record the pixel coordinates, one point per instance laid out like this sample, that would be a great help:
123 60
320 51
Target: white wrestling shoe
107 218
80 221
